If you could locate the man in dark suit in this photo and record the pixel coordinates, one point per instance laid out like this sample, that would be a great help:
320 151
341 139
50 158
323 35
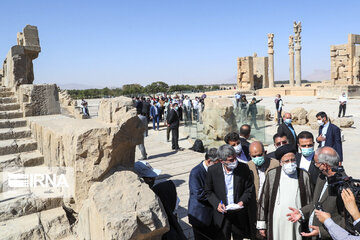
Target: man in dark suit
327 158
329 134
279 140
146 108
174 122
230 183
199 210
305 159
245 131
287 129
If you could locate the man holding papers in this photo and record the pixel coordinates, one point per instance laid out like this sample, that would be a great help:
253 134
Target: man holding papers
227 183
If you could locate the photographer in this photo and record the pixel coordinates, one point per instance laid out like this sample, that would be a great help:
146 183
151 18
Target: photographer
326 160
335 230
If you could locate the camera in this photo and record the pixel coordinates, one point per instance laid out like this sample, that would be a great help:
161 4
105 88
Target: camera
319 207
338 182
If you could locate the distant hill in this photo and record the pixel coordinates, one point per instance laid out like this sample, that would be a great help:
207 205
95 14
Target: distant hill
302 81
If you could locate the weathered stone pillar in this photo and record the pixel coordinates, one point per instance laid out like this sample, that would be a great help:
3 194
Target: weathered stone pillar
271 59
297 31
291 60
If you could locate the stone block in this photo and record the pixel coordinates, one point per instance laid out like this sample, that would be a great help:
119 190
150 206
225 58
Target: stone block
37 100
91 147
50 224
29 38
311 116
299 116
343 122
121 207
218 118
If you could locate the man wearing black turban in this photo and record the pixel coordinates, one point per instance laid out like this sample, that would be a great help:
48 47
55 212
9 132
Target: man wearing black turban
285 186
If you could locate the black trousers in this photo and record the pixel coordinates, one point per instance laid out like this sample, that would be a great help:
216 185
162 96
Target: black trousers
204 233
279 117
175 137
342 108
230 226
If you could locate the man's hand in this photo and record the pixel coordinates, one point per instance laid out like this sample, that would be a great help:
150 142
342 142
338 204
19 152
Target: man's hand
350 204
321 138
294 216
315 232
262 233
241 204
221 208
322 216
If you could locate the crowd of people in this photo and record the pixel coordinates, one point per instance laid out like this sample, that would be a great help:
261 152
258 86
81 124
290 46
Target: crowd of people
241 191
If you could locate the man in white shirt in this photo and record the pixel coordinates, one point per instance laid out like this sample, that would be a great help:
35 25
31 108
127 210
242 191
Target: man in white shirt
305 159
342 107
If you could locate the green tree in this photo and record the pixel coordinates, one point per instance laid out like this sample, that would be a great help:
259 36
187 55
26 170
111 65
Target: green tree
156 87
132 89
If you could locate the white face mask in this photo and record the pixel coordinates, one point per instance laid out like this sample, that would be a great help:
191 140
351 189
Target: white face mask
320 122
289 168
232 165
238 149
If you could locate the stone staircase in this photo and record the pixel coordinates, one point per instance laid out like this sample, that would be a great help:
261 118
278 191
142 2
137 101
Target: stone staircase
19 149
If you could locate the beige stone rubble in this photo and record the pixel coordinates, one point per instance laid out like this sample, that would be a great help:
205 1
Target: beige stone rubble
110 212
299 116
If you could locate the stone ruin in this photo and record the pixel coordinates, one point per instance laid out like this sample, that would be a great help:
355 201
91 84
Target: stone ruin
252 72
109 201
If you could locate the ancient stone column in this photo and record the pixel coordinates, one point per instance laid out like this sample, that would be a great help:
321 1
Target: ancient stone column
271 59
297 31
291 60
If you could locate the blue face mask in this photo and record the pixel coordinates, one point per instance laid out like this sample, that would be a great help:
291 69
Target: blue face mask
258 160
287 121
307 151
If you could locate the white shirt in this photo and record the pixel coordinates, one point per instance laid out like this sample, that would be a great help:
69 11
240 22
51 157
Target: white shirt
229 185
343 99
323 132
206 167
261 172
195 104
304 163
186 103
311 219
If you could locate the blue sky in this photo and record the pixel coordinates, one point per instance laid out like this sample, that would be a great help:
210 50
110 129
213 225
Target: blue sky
111 43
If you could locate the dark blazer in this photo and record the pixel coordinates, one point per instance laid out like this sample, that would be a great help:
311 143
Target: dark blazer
152 111
199 210
330 204
245 147
173 119
333 138
146 107
283 129
313 170
243 190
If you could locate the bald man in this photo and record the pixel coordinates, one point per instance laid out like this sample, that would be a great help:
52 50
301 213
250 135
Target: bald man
259 165
287 129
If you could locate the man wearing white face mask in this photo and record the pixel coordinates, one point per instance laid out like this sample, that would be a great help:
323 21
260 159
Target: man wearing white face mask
230 183
234 140
284 186
329 135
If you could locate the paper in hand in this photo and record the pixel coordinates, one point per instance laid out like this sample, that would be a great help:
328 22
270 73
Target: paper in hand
233 206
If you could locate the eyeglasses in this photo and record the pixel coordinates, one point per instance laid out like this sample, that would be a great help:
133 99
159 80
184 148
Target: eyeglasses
230 160
289 160
278 144
318 164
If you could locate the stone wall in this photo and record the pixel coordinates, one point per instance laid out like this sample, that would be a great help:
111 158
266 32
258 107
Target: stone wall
36 100
261 72
345 62
18 66
335 91
245 77
253 72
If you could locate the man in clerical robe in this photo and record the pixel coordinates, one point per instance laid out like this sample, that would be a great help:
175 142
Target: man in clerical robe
284 186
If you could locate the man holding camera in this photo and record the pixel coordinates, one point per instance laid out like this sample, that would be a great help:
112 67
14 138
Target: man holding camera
336 232
323 199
